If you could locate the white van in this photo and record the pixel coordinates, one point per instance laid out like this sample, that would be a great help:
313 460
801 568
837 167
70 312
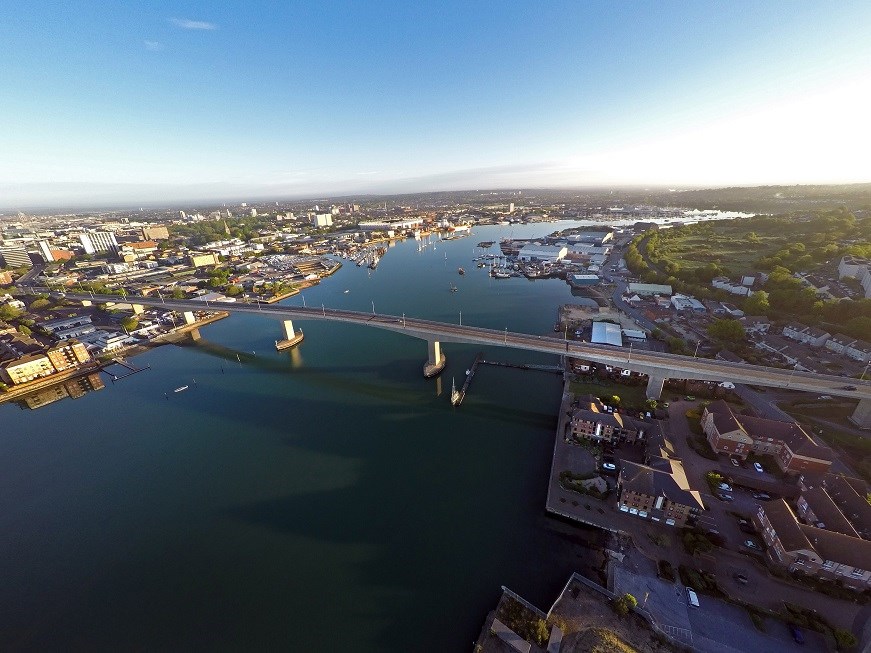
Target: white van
692 598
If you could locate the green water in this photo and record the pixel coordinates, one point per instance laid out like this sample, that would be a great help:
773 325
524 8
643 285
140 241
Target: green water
324 499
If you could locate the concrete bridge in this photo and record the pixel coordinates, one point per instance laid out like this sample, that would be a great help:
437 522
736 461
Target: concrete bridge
657 366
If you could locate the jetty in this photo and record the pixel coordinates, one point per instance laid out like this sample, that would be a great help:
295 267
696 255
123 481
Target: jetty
457 399
132 369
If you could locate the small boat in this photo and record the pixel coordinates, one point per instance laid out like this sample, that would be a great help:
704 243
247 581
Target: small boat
181 389
461 271
455 394
454 288
347 291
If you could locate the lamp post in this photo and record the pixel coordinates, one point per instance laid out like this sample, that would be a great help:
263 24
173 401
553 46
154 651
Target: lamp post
698 342
506 336
324 310
629 358
862 378
373 307
403 320
461 318
303 301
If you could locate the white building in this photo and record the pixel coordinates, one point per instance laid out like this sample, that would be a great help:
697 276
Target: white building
649 289
388 225
98 241
735 288
808 335
542 253
321 220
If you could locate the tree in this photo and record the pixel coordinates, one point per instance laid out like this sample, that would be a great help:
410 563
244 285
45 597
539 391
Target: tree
8 312
177 293
234 290
130 323
624 604
39 304
728 330
757 303
614 400
24 329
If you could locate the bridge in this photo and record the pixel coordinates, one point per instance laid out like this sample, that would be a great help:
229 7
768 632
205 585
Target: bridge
656 365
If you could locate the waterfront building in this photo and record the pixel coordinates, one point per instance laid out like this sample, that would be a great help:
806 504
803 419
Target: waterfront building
67 355
592 421
388 225
658 491
542 253
26 368
607 333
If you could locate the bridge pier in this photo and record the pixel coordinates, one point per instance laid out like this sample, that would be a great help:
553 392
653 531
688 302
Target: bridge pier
861 417
291 339
435 361
138 309
189 317
655 382
87 302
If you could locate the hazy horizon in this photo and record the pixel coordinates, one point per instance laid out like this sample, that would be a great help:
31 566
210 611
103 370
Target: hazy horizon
156 104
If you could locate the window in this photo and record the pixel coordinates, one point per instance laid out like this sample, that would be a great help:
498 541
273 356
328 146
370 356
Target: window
828 564
858 573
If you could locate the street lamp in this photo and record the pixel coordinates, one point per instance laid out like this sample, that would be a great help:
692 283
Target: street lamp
506 336
323 310
862 378
698 342
629 358
373 307
461 318
303 300
403 320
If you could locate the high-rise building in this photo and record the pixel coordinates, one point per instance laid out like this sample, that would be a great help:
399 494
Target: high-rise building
253 213
182 215
511 207
14 256
45 250
322 219
98 241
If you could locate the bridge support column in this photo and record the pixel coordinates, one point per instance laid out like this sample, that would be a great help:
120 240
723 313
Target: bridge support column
87 302
189 317
195 335
291 339
654 385
435 361
138 309
861 417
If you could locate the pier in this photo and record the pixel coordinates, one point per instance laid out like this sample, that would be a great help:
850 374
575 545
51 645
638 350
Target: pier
468 381
123 363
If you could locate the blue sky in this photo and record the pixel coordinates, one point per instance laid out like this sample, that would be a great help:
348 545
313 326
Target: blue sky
200 98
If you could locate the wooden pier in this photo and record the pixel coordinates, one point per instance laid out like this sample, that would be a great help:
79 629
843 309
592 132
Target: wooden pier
462 394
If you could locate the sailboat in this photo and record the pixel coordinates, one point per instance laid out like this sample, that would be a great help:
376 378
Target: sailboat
455 394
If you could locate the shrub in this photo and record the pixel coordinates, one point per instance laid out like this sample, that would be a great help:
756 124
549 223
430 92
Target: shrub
844 639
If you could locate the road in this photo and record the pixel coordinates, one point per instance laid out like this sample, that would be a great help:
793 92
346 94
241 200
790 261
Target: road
655 364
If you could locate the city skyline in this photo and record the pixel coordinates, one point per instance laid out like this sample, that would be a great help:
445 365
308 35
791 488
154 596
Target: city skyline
169 103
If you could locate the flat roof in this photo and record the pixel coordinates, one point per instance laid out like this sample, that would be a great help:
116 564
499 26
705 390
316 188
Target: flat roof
607 333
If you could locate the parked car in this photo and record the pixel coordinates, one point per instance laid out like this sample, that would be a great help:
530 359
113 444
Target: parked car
609 467
691 398
750 544
796 633
758 468
725 486
741 578
762 496
724 497
850 387
734 462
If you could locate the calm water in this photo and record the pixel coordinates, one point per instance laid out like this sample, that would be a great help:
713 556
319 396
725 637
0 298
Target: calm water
327 498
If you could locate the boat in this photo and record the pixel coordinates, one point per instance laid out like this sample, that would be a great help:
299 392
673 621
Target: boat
181 389
454 288
455 394
347 291
461 271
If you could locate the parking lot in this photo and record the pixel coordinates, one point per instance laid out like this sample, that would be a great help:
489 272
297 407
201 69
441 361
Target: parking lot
716 625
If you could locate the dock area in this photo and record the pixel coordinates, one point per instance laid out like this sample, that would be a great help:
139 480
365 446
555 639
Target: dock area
462 393
457 399
281 345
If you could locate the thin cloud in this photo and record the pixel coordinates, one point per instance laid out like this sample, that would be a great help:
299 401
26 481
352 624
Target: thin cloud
153 46
184 23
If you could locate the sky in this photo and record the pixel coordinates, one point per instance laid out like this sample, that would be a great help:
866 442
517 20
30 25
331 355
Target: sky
159 101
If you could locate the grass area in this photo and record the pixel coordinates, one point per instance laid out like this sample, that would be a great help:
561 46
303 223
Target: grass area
601 640
631 396
522 621
701 581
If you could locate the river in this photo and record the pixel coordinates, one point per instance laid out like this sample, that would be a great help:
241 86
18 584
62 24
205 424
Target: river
323 499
